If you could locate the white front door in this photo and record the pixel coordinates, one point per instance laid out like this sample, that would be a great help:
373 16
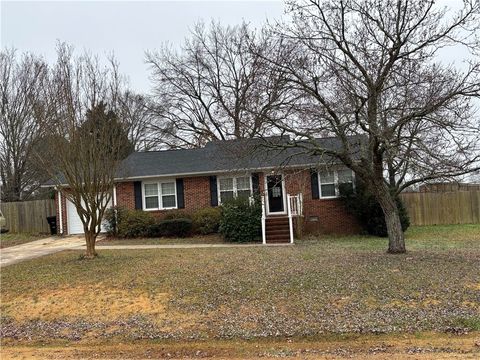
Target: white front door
74 223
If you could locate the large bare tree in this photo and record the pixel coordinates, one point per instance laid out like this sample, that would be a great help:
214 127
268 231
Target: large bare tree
85 143
21 81
142 120
370 69
216 87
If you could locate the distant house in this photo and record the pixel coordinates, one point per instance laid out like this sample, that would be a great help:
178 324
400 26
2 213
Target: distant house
291 184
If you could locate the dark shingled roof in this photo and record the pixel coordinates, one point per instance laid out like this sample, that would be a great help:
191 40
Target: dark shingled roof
227 156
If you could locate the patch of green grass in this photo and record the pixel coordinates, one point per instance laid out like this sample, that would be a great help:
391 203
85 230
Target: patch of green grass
12 239
469 323
416 237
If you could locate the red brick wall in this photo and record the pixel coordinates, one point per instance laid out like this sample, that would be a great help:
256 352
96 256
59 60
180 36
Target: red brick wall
331 213
125 195
196 192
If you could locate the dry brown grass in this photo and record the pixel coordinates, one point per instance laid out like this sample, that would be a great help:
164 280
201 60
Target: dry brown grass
96 301
426 346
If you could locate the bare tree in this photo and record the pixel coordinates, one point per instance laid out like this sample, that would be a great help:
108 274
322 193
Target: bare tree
368 70
21 81
84 149
217 87
142 120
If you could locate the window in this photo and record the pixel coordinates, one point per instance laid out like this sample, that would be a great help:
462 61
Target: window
329 182
230 187
151 196
226 189
243 186
169 199
159 195
345 179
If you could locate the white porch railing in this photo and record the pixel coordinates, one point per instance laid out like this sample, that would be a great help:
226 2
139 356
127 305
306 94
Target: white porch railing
294 209
295 203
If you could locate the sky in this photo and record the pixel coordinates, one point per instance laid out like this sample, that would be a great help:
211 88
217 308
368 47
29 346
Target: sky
129 28
126 28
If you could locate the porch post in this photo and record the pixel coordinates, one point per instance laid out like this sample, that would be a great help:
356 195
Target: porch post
290 222
264 237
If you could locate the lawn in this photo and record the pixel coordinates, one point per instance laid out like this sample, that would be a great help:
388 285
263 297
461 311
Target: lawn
12 239
206 239
326 286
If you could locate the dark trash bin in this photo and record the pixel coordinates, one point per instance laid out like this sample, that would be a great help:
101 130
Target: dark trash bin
52 222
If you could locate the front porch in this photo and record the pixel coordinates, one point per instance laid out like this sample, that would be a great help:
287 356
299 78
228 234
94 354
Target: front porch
279 228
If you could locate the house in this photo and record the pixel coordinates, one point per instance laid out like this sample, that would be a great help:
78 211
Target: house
290 182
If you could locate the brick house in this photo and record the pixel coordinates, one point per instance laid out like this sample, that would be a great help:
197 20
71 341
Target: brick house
291 183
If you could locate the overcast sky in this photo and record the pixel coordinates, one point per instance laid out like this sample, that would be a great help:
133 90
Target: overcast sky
126 28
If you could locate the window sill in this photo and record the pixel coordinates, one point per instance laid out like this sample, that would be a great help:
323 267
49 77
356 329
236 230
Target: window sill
161 209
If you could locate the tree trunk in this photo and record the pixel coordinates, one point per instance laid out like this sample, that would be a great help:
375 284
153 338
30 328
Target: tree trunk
396 238
90 238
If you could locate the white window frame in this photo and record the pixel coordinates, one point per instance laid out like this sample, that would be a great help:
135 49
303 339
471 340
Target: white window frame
159 194
335 182
284 194
235 188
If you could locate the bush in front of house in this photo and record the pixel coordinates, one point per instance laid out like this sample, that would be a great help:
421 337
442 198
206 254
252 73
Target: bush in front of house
241 220
126 223
207 221
368 211
177 214
134 223
172 228
111 218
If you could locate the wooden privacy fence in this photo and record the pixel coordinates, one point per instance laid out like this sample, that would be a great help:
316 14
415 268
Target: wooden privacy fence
442 208
28 216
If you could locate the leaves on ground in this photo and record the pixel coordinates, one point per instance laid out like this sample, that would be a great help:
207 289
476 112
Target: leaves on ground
328 285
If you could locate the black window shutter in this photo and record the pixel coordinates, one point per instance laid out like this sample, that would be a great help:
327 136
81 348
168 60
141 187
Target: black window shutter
213 191
137 186
256 183
180 196
314 181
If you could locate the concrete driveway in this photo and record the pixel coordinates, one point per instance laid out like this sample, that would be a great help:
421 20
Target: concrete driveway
37 248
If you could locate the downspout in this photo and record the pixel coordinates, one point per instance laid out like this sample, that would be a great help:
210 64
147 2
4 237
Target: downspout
115 211
60 212
114 195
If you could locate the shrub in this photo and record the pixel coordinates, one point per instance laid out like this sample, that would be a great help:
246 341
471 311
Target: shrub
177 214
134 223
172 227
241 220
207 220
111 218
368 211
